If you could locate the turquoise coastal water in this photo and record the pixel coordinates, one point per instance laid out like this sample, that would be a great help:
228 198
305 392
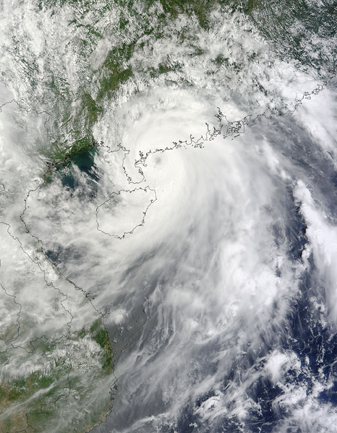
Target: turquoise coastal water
168 216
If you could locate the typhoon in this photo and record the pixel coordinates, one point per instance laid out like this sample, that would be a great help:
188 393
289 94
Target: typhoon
168 216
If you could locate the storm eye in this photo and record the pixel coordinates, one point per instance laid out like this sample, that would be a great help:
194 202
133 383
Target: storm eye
168 183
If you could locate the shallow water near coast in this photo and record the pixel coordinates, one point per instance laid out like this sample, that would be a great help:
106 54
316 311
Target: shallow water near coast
168 217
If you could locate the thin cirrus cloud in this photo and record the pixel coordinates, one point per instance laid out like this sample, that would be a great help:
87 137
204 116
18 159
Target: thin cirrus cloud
210 274
199 250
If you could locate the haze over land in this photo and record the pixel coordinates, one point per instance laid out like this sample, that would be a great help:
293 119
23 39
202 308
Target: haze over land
167 194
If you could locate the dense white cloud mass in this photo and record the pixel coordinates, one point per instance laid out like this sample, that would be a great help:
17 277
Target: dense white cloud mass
182 178
198 295
49 351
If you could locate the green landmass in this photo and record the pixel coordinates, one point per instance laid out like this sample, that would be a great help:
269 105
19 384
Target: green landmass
36 401
77 113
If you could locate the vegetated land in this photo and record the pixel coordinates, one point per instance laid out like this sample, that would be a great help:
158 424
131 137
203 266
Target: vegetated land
67 374
55 354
